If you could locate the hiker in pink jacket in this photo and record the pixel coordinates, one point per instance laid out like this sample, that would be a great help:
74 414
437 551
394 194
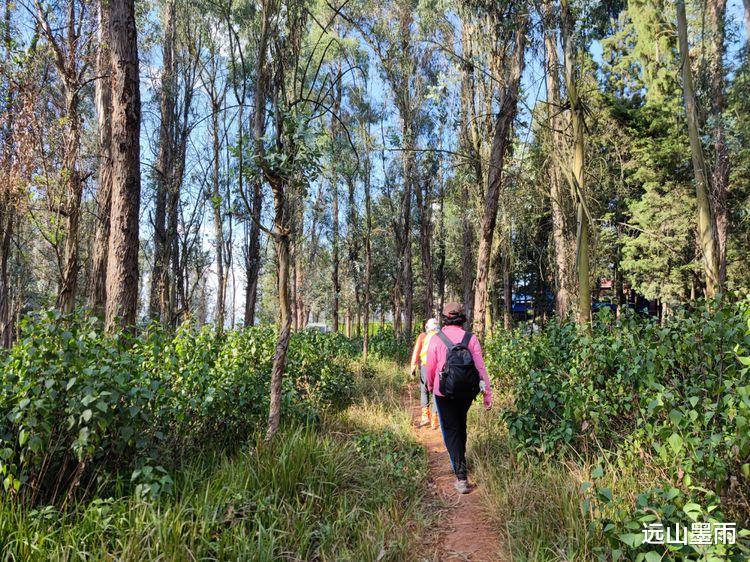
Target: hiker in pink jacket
453 411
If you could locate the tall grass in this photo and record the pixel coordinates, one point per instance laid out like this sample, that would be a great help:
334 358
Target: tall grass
347 489
536 505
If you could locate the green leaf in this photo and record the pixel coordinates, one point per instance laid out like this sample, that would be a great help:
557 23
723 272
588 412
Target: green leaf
692 510
35 444
605 494
675 441
675 416
86 415
633 540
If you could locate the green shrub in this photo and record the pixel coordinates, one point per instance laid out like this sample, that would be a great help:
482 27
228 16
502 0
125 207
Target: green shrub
386 344
77 405
669 402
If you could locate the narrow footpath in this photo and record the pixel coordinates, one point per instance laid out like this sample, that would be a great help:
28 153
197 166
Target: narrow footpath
462 531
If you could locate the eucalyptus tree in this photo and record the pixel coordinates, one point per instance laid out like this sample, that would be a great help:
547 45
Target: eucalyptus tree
182 51
575 171
552 135
392 30
706 217
512 42
69 31
103 100
122 265
290 91
215 87
9 170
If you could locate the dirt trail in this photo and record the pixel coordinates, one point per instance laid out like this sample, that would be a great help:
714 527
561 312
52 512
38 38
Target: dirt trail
462 531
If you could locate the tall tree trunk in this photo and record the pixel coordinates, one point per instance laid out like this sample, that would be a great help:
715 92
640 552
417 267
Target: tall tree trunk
706 221
66 297
281 243
467 255
335 209
424 202
7 197
353 244
577 167
559 229
406 266
173 298
253 256
164 167
216 204
720 179
103 95
122 265
173 284
264 81
746 5
7 211
335 255
500 141
470 140
368 247
440 273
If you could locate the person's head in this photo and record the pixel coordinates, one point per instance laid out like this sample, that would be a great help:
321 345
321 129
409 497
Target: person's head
453 314
431 325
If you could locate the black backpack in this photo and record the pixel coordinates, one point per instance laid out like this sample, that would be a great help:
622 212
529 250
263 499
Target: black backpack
459 377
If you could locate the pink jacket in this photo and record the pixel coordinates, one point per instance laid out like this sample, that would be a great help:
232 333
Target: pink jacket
437 351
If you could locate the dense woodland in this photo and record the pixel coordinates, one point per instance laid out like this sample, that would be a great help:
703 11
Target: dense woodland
345 163
175 172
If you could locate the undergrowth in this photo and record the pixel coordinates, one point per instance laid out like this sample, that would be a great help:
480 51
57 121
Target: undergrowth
634 424
347 487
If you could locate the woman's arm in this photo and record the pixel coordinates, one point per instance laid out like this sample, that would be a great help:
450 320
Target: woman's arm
476 354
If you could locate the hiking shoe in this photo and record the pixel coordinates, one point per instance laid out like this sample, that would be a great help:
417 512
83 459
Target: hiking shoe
462 486
425 417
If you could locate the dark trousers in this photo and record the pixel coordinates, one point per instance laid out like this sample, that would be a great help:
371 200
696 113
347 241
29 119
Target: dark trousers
453 414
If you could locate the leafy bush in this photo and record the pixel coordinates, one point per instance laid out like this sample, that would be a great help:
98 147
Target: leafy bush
670 401
77 405
386 344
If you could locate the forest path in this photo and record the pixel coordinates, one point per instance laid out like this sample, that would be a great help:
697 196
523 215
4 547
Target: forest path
461 530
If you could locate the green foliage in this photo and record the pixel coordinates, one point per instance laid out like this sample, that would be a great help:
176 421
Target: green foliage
668 401
386 344
77 405
307 496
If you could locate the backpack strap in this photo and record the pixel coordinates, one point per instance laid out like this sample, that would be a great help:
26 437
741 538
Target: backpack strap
448 343
466 340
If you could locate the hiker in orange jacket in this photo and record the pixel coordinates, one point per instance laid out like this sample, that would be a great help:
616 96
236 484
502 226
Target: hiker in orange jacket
419 361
